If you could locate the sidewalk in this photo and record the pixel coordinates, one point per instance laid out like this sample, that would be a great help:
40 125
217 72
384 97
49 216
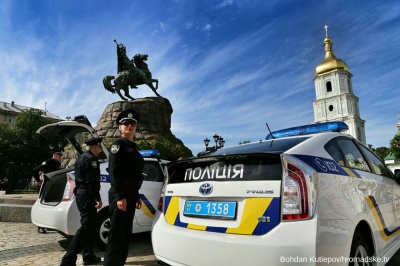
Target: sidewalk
16 207
21 245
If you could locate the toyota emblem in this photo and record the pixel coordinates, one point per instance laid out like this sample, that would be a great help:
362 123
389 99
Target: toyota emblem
206 189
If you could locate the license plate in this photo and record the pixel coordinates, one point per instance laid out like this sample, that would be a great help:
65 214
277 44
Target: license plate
210 209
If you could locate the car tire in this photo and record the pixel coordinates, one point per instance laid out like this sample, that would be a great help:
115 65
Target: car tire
102 229
359 250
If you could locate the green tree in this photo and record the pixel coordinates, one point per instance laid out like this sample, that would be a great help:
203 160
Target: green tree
395 146
5 144
168 145
22 149
382 152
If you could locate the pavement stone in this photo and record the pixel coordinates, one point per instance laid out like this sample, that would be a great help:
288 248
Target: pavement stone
21 245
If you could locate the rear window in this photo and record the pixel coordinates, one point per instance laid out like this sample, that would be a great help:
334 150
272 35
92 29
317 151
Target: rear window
271 146
226 168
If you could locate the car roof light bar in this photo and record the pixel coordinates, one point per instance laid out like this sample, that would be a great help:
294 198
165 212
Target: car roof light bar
149 153
308 129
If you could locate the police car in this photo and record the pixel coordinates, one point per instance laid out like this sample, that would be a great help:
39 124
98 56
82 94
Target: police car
56 209
300 197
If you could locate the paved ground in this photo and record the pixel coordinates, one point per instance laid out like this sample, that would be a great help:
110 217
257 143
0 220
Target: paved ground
21 245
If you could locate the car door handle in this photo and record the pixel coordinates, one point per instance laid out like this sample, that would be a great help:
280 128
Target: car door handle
362 187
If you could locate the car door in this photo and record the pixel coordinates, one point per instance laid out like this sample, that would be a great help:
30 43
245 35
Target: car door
149 192
393 189
374 189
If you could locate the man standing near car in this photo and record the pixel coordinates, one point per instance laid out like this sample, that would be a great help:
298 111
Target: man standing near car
87 180
48 166
125 169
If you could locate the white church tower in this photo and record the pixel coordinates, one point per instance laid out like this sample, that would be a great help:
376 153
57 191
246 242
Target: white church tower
335 100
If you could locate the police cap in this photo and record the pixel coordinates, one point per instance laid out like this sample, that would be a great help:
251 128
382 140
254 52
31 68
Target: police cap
127 115
58 152
93 141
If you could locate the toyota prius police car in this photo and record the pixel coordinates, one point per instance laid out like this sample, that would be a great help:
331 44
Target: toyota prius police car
299 197
56 208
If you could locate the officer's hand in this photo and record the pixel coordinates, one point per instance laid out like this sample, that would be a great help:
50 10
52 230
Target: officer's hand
121 204
138 204
99 204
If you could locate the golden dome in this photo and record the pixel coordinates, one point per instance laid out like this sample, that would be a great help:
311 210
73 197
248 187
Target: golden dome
330 63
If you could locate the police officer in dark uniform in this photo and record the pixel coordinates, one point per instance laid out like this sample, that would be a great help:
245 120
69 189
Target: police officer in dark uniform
125 169
87 179
48 166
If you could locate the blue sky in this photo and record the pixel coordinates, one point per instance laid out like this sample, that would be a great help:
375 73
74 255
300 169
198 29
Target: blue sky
226 66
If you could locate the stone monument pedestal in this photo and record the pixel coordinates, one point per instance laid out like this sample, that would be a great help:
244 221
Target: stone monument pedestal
153 129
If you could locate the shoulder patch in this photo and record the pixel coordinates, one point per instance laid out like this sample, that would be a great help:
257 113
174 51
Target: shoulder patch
94 164
114 148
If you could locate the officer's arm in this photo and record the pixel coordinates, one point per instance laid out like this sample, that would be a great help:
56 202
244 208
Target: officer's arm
93 179
116 174
36 171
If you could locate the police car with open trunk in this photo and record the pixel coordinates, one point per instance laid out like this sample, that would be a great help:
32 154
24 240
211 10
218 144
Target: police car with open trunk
56 209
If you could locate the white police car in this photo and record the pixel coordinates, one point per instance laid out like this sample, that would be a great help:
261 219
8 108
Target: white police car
56 208
296 198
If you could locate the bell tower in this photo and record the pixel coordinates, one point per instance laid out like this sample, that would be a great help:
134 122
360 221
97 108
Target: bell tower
335 100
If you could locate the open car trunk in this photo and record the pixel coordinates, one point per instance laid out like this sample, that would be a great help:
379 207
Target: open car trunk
53 189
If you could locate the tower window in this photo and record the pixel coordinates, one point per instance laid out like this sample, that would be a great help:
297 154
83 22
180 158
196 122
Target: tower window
330 108
328 86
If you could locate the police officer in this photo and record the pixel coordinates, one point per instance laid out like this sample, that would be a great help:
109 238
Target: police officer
48 166
87 179
125 169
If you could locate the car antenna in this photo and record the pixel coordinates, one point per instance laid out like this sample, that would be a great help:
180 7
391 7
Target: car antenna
272 136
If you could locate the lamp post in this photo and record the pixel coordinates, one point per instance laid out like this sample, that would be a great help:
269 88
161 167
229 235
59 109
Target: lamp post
219 143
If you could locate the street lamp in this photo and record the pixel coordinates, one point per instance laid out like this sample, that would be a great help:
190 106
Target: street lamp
206 142
219 143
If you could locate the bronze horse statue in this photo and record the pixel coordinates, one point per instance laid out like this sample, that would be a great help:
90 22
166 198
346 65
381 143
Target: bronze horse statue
130 73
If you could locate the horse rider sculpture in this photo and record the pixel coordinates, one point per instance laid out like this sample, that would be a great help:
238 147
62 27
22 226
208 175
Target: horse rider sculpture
130 73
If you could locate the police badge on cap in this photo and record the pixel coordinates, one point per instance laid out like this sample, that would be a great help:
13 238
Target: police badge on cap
127 115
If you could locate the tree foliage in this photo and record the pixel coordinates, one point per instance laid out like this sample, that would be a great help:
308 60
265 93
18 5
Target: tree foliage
21 149
169 146
382 152
395 146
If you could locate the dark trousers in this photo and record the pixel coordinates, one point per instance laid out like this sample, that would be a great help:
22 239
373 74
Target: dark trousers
84 237
120 231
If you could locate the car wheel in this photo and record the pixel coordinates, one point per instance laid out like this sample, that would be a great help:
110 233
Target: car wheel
102 229
359 253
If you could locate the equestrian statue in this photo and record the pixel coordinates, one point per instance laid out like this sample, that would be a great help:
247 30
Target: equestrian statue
130 73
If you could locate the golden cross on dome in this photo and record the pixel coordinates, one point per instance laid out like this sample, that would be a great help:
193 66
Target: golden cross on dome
326 30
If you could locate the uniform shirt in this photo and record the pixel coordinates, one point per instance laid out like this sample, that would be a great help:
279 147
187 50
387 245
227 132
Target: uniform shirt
125 168
47 166
87 174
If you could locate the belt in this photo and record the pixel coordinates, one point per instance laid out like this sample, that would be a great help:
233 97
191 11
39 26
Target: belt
80 190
